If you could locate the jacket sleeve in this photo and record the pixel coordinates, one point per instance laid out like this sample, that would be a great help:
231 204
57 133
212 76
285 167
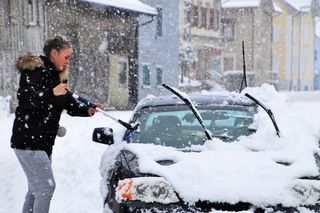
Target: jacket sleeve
33 90
74 108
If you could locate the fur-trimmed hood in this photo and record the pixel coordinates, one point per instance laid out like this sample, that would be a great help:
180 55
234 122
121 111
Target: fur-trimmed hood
29 62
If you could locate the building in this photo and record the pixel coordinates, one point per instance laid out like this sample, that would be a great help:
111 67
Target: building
104 36
200 52
248 21
180 46
158 48
294 43
21 30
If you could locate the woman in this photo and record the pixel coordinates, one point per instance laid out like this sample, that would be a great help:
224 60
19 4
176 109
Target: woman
42 96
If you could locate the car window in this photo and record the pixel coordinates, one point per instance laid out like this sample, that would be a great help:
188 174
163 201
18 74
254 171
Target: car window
178 127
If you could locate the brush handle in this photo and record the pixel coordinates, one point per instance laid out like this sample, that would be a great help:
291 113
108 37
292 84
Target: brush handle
83 100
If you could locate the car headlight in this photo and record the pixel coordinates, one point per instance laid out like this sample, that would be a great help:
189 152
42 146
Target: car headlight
146 189
307 191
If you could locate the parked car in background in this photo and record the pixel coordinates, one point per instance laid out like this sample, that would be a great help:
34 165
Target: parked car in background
207 152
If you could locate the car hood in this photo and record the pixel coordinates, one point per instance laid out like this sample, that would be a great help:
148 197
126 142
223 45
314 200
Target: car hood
228 173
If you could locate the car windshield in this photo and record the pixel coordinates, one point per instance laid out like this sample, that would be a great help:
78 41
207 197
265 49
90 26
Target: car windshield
177 126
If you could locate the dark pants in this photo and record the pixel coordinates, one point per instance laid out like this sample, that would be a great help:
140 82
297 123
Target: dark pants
41 183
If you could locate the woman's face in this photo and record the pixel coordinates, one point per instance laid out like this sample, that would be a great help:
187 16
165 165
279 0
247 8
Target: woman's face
61 59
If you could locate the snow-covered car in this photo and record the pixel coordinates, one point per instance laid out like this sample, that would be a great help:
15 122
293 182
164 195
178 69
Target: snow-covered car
206 152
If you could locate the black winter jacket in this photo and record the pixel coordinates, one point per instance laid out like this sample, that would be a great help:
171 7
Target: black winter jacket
38 113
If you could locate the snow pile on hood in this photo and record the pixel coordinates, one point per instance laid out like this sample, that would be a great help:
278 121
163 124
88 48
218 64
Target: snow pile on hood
261 169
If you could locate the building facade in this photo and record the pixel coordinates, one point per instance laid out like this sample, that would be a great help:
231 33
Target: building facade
200 51
21 30
103 36
293 44
249 22
158 48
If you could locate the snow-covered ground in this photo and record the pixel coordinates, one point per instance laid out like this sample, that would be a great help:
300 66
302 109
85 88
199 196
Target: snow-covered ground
76 159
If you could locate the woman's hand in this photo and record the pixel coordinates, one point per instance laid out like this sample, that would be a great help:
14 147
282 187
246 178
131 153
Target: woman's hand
92 111
61 89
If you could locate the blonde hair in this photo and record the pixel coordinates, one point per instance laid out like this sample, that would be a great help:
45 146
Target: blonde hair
64 74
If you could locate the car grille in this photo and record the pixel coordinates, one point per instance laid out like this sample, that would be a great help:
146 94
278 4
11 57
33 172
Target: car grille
207 206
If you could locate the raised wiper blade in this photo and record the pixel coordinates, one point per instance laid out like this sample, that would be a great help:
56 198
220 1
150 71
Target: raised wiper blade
269 112
188 102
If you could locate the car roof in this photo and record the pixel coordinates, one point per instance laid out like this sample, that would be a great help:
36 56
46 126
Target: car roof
226 98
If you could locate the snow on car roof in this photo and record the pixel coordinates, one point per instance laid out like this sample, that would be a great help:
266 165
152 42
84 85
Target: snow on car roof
261 169
198 99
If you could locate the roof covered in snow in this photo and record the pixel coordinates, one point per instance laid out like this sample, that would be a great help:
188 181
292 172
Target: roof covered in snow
132 5
276 7
240 3
300 5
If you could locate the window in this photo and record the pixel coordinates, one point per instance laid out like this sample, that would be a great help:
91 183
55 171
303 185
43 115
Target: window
215 67
146 75
204 17
195 16
228 30
122 68
32 12
187 12
212 19
159 22
217 24
258 33
305 34
159 76
275 34
275 63
233 120
228 63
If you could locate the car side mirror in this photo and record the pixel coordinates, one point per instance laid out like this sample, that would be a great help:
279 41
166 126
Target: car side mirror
103 135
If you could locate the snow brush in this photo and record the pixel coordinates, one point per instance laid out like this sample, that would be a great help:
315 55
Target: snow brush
90 104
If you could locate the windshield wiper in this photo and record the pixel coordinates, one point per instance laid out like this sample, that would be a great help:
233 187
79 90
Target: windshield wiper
188 102
269 112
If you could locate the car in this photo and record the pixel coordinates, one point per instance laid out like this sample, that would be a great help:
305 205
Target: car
206 152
